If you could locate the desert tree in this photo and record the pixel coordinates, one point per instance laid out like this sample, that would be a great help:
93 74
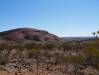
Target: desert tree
98 32
94 34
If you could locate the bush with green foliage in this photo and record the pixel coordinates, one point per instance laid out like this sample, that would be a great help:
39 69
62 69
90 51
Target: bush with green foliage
91 52
80 59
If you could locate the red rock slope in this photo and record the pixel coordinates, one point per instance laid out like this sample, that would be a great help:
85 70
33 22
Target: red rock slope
27 34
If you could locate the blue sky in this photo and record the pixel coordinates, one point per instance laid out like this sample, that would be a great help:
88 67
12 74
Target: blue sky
61 17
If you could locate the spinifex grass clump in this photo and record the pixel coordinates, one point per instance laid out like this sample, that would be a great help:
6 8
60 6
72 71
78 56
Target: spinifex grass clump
91 52
74 59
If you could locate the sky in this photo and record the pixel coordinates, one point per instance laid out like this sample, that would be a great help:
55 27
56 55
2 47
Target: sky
65 18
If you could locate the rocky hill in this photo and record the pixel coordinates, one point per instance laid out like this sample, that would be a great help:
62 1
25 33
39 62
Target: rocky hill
27 34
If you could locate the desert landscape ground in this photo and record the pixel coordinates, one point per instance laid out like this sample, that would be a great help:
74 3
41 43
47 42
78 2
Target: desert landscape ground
49 37
27 51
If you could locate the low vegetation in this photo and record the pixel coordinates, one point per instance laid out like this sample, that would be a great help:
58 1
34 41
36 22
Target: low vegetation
79 54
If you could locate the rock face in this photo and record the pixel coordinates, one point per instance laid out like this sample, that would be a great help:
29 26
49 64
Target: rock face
27 34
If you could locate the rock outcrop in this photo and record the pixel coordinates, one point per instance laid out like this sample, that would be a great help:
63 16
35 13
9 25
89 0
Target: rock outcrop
28 34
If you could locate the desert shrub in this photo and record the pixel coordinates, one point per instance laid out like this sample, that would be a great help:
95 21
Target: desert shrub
36 50
33 45
91 51
49 45
67 46
74 59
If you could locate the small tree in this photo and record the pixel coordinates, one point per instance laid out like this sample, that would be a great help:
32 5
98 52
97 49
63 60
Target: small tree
97 32
94 34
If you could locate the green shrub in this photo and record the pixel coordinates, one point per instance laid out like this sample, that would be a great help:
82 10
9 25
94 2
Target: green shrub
74 59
